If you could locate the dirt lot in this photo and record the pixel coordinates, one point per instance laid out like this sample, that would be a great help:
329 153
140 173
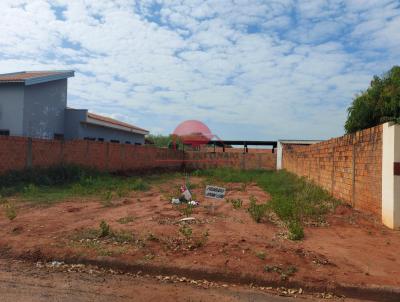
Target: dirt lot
24 281
222 243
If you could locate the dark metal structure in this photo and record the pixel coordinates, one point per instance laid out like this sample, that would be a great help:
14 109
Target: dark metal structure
244 143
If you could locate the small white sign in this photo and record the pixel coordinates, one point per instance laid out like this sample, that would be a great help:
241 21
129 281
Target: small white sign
215 192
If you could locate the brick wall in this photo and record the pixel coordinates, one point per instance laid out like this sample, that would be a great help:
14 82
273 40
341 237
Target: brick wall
203 160
17 153
350 167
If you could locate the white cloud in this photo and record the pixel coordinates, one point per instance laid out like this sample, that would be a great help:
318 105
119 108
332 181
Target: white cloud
275 68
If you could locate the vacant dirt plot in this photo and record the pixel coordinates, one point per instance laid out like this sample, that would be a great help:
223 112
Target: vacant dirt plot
222 242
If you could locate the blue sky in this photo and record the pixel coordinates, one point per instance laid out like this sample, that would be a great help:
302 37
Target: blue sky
248 69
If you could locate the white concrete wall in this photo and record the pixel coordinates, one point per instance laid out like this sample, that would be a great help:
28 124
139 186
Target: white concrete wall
12 108
279 156
390 182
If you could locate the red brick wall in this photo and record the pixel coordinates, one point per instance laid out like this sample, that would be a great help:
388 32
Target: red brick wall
17 153
202 160
350 167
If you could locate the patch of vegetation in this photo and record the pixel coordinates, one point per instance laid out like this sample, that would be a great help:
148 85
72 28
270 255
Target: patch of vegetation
295 200
187 210
296 231
139 185
236 203
106 234
10 211
125 220
152 237
378 104
164 141
257 211
54 184
105 229
284 273
107 199
186 231
261 255
149 257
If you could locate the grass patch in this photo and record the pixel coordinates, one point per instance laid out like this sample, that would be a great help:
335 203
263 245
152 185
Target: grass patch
59 183
125 220
105 234
284 272
295 200
257 211
10 211
236 203
261 255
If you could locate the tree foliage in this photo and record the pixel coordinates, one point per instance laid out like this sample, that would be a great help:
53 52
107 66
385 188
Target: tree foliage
163 141
380 103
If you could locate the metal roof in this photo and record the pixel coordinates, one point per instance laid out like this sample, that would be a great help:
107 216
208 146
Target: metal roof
110 122
35 77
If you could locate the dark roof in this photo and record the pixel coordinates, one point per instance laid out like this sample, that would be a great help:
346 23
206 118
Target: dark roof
35 77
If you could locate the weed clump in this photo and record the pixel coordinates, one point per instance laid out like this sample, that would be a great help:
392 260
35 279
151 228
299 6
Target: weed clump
125 220
257 211
296 231
10 211
187 210
284 273
105 229
236 203
186 231
261 255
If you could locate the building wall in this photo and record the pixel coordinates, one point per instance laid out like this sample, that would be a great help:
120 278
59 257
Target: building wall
11 108
73 118
245 161
108 134
76 128
17 153
44 106
349 167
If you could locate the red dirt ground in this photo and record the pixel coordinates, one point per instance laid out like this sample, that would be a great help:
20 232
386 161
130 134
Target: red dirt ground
352 249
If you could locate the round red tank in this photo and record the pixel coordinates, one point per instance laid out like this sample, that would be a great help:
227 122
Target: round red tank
193 132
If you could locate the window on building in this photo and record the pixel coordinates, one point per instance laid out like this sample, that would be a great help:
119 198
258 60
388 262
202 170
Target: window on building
4 132
128 142
114 141
89 138
100 139
58 136
138 144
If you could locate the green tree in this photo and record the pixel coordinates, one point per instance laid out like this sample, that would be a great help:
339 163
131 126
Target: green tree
380 103
165 141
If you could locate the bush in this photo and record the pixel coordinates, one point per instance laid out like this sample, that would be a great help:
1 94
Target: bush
380 103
